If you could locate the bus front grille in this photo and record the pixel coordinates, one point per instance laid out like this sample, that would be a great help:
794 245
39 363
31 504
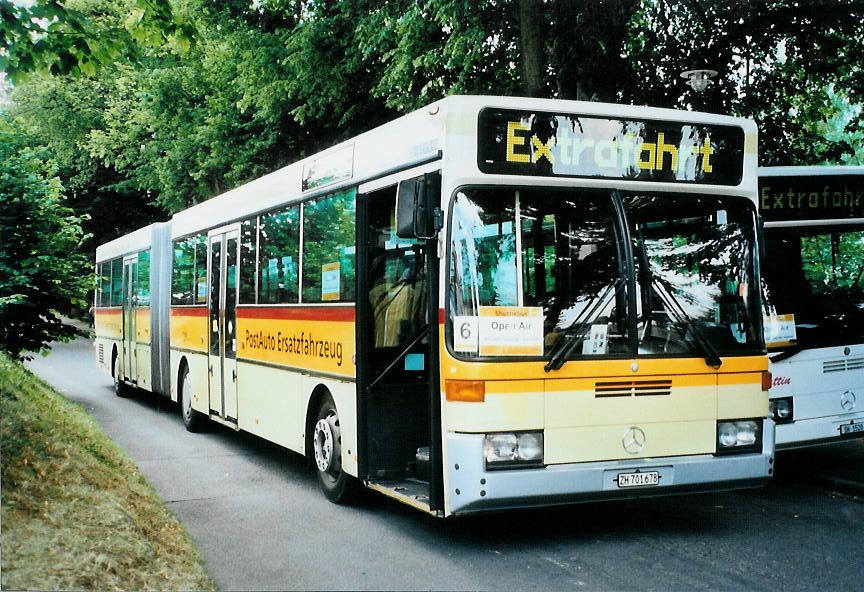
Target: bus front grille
842 365
633 388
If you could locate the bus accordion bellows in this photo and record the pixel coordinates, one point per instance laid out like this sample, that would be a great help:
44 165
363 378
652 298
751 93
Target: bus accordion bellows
814 283
488 303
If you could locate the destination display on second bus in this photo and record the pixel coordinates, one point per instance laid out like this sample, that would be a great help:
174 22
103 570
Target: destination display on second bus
822 197
514 142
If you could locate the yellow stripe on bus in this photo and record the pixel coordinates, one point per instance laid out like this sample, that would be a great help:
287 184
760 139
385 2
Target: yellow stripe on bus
108 323
189 329
322 346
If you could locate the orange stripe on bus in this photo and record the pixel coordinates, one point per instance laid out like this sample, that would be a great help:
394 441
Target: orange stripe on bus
197 311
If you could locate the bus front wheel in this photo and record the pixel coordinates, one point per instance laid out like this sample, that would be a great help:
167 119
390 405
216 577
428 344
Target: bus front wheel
337 485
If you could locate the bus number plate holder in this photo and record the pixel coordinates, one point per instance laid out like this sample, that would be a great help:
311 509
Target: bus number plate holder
852 430
640 479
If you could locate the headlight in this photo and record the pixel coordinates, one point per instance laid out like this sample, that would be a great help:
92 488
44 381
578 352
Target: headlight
743 435
512 450
780 410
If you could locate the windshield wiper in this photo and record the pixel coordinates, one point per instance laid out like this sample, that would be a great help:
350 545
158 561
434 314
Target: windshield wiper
712 358
787 353
560 352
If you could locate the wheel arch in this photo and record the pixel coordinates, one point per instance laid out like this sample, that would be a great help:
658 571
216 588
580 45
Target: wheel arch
184 363
319 393
114 357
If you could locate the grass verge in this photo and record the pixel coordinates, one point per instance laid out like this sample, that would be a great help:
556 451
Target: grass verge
76 512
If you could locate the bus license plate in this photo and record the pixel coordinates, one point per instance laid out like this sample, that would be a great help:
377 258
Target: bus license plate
852 429
644 479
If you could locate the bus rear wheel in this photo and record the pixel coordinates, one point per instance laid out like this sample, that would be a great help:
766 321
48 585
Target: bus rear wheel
193 420
338 486
121 389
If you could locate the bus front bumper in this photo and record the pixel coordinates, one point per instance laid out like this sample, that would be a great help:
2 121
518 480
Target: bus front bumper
471 488
819 430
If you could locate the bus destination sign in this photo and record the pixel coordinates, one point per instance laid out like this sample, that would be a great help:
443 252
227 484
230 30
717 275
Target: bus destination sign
514 142
819 197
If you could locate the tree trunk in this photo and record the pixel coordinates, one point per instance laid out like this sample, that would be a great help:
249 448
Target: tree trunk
531 60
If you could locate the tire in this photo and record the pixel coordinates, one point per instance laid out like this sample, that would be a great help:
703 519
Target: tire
193 420
121 389
338 486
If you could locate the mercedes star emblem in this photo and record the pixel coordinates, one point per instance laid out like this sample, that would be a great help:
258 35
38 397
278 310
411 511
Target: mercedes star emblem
847 401
633 440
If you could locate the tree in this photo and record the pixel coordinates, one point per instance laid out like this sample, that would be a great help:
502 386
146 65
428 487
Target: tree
56 117
776 61
49 36
40 258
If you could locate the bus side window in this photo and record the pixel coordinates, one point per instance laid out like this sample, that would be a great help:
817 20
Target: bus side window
116 282
201 268
279 257
248 246
104 271
143 279
328 248
182 272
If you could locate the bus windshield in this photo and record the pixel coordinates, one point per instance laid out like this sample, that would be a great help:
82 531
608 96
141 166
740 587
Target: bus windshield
611 274
817 275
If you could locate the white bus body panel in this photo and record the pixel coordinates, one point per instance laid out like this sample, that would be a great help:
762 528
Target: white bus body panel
820 381
813 377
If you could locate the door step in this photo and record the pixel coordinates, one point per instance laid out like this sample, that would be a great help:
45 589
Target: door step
226 422
413 492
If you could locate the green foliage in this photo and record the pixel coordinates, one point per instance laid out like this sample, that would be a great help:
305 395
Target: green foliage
834 262
56 117
428 50
174 115
838 137
40 260
51 37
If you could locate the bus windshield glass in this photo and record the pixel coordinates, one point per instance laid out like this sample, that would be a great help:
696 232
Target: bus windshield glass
817 275
544 273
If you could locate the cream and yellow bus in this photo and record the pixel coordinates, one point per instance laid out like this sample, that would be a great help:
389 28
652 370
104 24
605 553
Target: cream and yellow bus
491 302
814 280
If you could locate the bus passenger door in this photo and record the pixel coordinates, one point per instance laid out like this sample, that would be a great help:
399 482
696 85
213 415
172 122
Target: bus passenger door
222 304
130 288
394 357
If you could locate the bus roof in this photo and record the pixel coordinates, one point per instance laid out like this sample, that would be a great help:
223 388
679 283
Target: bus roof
810 171
137 240
443 129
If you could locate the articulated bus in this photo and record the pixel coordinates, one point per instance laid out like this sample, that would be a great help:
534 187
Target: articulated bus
487 303
814 281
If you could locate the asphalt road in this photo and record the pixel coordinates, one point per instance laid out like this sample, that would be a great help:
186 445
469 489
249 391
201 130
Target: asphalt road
255 511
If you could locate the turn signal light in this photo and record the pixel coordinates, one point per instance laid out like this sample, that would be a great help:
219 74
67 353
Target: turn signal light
469 391
767 379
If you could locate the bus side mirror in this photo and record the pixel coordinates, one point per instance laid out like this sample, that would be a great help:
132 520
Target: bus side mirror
417 211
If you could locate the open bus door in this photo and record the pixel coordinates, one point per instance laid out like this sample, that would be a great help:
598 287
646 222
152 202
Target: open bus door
397 351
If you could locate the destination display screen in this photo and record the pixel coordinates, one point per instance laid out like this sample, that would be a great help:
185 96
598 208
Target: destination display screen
818 197
515 142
